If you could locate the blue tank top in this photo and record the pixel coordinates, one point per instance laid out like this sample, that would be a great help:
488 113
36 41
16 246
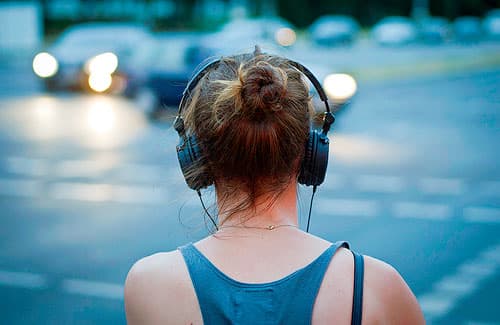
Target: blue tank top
223 300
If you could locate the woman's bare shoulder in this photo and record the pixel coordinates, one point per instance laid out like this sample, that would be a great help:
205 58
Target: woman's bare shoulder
152 286
159 266
387 296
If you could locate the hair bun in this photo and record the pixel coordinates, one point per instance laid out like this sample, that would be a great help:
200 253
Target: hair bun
263 87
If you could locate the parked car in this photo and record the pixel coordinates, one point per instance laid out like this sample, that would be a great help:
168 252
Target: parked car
434 30
268 29
467 29
333 30
395 31
491 24
94 57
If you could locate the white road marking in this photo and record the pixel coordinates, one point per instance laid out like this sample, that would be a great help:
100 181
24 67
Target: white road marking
80 192
482 214
348 207
444 186
23 279
27 166
334 182
159 194
20 188
141 172
417 210
468 277
93 288
82 168
459 283
139 194
433 305
490 188
379 184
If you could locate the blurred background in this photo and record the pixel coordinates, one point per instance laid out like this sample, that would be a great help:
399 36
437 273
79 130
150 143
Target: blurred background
89 181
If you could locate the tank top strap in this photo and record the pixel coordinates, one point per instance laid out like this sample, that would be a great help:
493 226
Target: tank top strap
210 291
301 303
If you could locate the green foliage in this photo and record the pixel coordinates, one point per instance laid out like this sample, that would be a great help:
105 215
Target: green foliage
300 12
303 12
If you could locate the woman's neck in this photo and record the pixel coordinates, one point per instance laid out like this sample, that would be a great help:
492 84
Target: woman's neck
269 210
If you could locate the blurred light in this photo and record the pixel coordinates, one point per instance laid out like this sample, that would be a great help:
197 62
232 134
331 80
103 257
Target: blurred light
105 63
45 65
340 87
43 109
101 118
100 82
43 118
285 36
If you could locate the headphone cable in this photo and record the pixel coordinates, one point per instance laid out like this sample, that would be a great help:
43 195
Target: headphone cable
206 210
310 208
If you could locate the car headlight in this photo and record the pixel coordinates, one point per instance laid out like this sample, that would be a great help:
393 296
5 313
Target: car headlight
100 82
339 87
105 63
45 65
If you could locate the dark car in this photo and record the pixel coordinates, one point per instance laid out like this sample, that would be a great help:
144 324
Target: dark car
178 54
94 57
172 61
333 30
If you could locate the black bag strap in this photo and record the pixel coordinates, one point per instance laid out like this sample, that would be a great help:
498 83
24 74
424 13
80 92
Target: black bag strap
357 300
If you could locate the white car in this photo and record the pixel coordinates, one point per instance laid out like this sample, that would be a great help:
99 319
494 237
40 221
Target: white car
93 56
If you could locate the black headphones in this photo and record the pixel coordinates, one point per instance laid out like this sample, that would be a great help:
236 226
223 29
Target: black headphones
313 166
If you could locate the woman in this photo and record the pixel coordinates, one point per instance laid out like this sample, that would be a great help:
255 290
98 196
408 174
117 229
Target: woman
245 122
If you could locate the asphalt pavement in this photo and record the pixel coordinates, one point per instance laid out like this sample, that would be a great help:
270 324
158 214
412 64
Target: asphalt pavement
88 185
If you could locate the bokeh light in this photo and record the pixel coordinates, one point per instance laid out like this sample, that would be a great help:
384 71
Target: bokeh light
45 65
100 82
285 36
105 63
101 117
340 87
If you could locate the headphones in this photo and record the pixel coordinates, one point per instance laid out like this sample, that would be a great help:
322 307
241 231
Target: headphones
313 166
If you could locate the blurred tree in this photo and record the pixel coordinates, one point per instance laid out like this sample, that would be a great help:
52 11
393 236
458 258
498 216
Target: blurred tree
303 12
186 13
299 12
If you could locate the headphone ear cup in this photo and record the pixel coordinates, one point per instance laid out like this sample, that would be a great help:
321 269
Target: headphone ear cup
313 167
191 159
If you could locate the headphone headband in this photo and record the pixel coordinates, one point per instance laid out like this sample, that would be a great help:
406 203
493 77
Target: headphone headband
200 73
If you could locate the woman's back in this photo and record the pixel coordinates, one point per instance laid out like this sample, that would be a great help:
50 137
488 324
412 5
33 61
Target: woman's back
160 288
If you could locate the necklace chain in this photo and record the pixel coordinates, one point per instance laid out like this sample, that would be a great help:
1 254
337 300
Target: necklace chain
269 227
